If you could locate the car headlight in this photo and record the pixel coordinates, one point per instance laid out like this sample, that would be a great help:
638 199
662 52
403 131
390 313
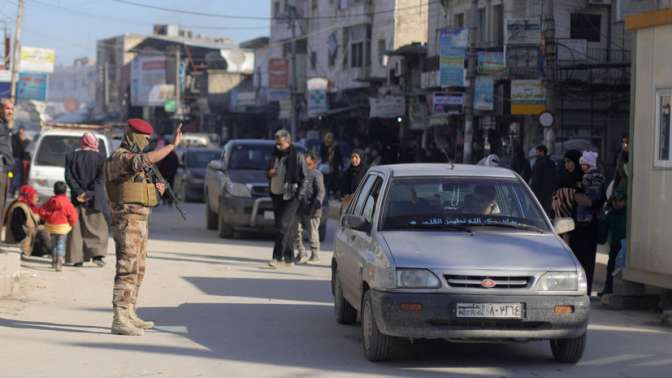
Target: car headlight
417 279
559 281
238 190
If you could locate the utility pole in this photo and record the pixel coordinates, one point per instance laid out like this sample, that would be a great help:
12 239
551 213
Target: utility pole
16 53
294 87
550 70
6 44
178 99
471 77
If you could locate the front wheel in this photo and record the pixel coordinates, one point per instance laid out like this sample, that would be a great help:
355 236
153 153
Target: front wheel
226 231
345 313
210 217
377 346
569 351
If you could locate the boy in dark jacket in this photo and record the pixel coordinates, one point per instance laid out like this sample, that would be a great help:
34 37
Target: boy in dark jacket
310 212
617 220
60 215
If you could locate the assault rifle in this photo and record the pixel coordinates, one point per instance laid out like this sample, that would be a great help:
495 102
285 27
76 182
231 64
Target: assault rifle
157 178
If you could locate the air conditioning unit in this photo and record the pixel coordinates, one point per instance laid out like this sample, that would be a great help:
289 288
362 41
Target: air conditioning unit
599 2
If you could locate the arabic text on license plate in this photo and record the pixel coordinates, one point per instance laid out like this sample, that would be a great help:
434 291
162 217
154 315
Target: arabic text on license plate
268 215
490 310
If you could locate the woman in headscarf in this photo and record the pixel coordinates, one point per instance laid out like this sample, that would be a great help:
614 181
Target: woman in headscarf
22 224
84 176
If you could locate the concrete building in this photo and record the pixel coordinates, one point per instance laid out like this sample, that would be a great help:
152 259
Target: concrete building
77 81
649 260
345 44
113 58
584 69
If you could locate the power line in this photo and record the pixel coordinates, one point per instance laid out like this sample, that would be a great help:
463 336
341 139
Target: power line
247 17
135 22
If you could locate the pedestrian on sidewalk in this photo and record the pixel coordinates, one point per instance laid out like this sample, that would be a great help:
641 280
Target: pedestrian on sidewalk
310 212
84 175
617 220
6 154
19 144
589 199
288 176
331 161
543 179
22 224
60 216
351 177
132 195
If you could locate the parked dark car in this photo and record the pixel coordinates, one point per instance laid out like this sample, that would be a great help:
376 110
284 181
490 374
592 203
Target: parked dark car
236 188
190 178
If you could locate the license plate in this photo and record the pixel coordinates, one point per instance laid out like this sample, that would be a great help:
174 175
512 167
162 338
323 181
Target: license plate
268 215
490 310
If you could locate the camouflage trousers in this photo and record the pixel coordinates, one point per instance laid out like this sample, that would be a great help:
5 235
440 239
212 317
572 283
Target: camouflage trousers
130 233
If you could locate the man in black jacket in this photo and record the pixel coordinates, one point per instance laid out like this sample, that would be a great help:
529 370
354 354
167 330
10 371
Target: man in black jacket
6 155
543 180
287 174
84 176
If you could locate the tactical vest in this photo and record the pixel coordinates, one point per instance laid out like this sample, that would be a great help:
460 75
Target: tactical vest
136 190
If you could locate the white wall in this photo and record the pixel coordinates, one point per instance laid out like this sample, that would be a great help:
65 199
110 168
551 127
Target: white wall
650 252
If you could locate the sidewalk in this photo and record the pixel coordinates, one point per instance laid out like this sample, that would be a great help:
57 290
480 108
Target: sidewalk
10 270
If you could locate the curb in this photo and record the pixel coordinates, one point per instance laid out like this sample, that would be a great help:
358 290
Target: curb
10 270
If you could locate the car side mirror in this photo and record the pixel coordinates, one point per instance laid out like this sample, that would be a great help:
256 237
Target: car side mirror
564 225
356 222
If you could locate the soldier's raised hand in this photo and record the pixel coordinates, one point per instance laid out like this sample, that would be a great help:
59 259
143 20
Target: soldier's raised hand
178 136
161 187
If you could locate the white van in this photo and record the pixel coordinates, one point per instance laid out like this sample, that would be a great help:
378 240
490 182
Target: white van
48 160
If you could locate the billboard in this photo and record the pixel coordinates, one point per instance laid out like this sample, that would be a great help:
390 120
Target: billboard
522 31
278 73
484 96
452 49
32 86
387 107
317 96
147 73
34 59
445 103
528 97
490 62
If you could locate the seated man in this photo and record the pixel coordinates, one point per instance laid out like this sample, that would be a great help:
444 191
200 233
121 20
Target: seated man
22 224
481 201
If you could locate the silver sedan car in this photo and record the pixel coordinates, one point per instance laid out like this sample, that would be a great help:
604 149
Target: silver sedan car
456 252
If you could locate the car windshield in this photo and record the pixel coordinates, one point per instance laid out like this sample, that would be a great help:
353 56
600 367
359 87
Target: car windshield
200 159
53 148
474 202
253 157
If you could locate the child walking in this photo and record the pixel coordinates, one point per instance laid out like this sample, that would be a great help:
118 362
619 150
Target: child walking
310 212
60 215
592 184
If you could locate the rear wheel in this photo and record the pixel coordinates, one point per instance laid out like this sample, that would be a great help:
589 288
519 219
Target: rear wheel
377 346
226 231
569 351
210 217
345 313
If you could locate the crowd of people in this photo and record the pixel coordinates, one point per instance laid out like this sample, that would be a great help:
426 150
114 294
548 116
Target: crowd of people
578 189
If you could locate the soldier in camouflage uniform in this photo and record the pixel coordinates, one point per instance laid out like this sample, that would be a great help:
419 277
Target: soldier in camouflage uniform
132 195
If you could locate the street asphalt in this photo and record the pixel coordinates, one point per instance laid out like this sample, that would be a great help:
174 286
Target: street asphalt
221 312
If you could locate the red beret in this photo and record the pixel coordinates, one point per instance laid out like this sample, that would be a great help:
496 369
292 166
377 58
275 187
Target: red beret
141 126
